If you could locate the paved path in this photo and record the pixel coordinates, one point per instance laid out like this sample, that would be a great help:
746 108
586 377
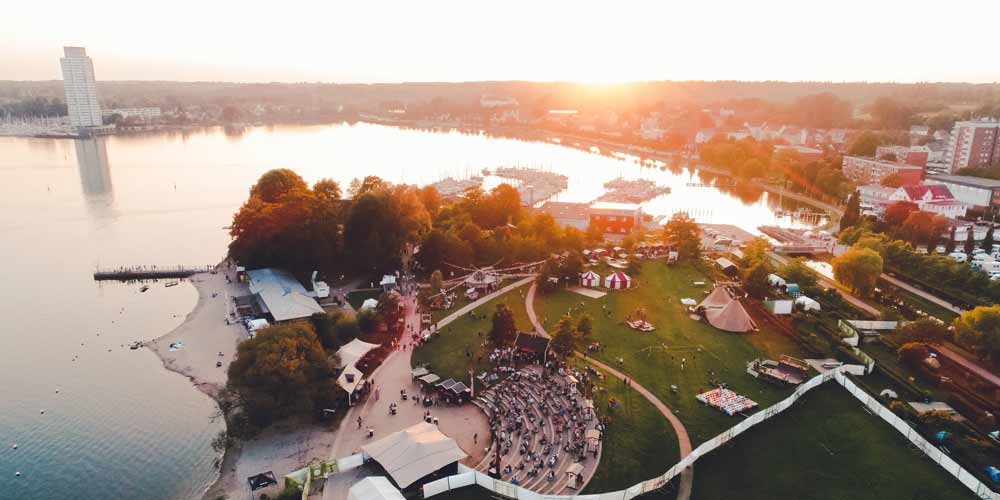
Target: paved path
683 440
920 293
458 422
827 282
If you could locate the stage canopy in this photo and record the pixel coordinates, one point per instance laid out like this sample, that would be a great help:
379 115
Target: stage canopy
414 452
352 351
374 488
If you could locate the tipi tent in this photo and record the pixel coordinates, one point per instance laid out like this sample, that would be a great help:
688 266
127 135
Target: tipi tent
617 280
590 279
731 318
719 298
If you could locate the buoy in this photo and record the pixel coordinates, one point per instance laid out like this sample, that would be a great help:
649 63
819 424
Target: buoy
42 412
18 473
15 446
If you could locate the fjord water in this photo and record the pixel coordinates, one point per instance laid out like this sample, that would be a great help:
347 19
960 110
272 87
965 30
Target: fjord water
121 426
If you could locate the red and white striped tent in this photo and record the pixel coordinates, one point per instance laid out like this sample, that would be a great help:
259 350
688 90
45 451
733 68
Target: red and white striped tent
590 279
617 280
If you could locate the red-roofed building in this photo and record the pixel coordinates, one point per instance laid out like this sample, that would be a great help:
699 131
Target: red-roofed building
934 198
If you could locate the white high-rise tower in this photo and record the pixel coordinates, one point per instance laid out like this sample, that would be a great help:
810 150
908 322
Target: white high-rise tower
81 88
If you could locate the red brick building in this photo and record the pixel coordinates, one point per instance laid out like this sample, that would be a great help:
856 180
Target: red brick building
615 218
905 155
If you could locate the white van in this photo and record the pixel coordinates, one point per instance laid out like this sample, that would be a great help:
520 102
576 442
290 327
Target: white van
958 257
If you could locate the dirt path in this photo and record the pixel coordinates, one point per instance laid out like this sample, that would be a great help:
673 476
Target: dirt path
683 440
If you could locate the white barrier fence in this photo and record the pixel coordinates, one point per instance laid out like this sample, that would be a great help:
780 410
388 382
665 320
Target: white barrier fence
512 491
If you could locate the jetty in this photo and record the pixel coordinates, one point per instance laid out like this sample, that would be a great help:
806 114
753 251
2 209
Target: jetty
135 273
632 191
534 185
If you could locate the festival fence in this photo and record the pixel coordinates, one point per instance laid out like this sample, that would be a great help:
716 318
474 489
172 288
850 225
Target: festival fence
512 491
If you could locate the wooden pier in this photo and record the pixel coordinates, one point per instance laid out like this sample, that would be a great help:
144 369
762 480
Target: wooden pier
136 273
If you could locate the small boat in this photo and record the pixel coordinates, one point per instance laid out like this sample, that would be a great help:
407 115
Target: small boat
171 283
144 288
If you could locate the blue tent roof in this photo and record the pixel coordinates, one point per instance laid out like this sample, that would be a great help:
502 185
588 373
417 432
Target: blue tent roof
792 287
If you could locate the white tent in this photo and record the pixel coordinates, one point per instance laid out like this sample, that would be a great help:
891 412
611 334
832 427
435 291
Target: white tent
807 303
350 379
256 324
352 351
617 280
775 280
369 304
373 488
590 279
414 452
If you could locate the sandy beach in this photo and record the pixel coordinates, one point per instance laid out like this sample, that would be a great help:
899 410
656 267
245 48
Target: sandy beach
283 448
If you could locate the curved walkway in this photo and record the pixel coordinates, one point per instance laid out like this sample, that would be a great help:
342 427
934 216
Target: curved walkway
683 440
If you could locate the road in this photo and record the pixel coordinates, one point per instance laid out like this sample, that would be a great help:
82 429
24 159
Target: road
922 294
683 439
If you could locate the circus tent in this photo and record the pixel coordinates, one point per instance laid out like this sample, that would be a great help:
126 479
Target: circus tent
618 280
590 279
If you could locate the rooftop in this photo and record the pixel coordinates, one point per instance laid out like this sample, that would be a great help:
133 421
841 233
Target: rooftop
608 205
565 210
283 296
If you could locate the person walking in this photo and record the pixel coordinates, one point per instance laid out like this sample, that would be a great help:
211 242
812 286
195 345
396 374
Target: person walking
475 438
359 421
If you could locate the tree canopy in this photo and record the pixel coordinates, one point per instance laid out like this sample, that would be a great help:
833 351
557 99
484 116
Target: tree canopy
683 233
858 268
980 329
283 371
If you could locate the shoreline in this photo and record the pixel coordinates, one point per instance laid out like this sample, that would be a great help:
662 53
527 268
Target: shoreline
204 334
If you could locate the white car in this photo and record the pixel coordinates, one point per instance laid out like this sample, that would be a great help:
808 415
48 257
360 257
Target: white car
958 257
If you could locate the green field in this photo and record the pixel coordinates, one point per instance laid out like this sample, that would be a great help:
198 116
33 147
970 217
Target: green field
638 444
445 352
659 290
825 447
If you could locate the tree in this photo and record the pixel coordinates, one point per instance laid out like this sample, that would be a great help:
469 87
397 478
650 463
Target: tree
913 353
281 372
325 326
892 180
922 330
865 144
585 326
898 212
796 271
756 282
988 240
756 253
949 247
565 338
437 281
890 114
346 329
276 184
980 330
368 320
683 234
852 214
503 330
858 268
327 189
970 241
923 228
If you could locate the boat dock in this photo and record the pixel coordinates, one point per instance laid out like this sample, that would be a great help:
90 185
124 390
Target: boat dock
135 273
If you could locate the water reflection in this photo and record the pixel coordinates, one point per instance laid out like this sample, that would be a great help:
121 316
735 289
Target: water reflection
95 176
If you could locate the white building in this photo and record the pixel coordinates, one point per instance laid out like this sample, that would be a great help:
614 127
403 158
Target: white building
145 114
81 88
975 191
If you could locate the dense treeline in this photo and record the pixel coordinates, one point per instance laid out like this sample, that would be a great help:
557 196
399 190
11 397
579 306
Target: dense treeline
958 280
286 223
33 108
747 158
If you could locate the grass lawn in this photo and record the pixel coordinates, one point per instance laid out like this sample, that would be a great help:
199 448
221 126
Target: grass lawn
659 290
638 445
358 297
445 352
824 447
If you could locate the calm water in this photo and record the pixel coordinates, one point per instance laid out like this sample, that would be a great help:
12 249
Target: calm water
120 425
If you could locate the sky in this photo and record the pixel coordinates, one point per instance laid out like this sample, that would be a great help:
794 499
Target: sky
606 41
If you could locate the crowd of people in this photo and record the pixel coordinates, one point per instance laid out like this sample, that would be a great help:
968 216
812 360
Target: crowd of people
540 422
